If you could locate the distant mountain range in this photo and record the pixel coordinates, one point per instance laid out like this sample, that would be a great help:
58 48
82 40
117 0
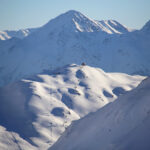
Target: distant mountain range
74 38
109 26
8 34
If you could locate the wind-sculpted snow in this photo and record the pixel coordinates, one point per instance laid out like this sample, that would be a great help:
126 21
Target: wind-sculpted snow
121 125
35 111
74 38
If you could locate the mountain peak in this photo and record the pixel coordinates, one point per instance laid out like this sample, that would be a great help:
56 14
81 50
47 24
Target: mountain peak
146 27
75 21
72 12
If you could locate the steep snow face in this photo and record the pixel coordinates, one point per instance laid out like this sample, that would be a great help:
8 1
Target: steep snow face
40 108
112 26
74 38
8 34
123 124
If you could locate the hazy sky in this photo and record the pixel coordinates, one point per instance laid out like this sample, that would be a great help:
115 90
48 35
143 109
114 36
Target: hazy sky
17 14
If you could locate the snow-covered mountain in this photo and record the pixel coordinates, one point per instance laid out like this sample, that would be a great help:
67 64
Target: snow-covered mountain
8 34
75 21
121 125
79 22
74 38
34 112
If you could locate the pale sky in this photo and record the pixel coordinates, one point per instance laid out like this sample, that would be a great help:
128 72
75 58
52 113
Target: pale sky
19 14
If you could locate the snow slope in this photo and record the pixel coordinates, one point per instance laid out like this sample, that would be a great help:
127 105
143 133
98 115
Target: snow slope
8 34
121 125
112 26
11 140
34 112
74 38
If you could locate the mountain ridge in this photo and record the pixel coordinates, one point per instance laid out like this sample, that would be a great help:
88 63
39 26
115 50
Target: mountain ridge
70 15
81 40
